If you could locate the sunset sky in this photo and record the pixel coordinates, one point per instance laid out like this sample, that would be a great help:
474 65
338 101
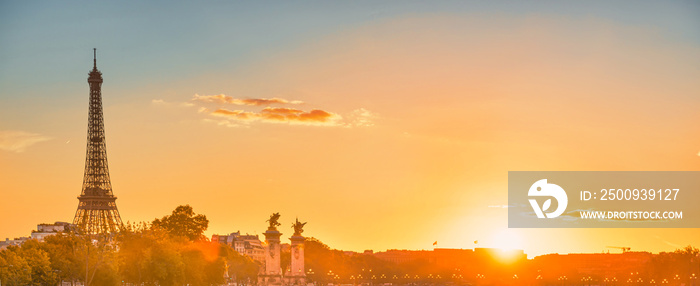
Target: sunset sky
383 124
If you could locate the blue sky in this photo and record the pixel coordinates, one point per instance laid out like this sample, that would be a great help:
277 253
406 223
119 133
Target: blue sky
222 35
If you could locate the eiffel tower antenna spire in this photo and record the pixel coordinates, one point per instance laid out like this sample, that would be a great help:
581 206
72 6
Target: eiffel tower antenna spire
97 211
94 58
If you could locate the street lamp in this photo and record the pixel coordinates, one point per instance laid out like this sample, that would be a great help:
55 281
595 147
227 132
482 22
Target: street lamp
310 273
330 276
480 278
563 279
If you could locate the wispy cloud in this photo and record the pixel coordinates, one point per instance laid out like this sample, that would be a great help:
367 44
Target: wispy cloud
224 122
362 118
499 206
668 242
165 103
19 141
222 98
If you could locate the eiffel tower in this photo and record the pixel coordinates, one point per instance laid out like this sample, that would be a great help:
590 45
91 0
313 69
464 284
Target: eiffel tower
97 211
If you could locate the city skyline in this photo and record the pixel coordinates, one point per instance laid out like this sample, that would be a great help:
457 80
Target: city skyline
385 126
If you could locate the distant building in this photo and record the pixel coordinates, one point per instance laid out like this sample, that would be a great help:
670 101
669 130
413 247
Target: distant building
42 231
247 244
47 229
17 242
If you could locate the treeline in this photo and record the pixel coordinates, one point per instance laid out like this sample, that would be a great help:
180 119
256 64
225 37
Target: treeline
168 251
173 251
325 265
683 262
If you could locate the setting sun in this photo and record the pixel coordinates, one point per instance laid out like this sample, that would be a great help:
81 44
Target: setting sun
507 239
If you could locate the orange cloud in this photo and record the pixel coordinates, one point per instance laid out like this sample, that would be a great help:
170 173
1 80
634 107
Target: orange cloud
293 116
236 114
282 111
282 115
222 98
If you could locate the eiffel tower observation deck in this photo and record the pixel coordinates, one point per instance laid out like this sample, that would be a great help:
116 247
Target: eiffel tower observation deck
97 210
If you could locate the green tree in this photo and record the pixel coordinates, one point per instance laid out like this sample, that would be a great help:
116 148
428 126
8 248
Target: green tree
39 263
183 222
14 270
103 263
62 250
149 256
99 252
241 268
322 260
205 264
166 266
152 256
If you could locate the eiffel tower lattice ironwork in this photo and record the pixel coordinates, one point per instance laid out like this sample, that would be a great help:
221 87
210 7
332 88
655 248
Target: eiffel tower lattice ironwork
97 211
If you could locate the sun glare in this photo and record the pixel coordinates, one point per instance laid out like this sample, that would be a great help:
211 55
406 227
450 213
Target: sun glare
506 239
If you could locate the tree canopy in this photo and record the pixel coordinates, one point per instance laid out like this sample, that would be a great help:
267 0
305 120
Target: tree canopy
183 222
